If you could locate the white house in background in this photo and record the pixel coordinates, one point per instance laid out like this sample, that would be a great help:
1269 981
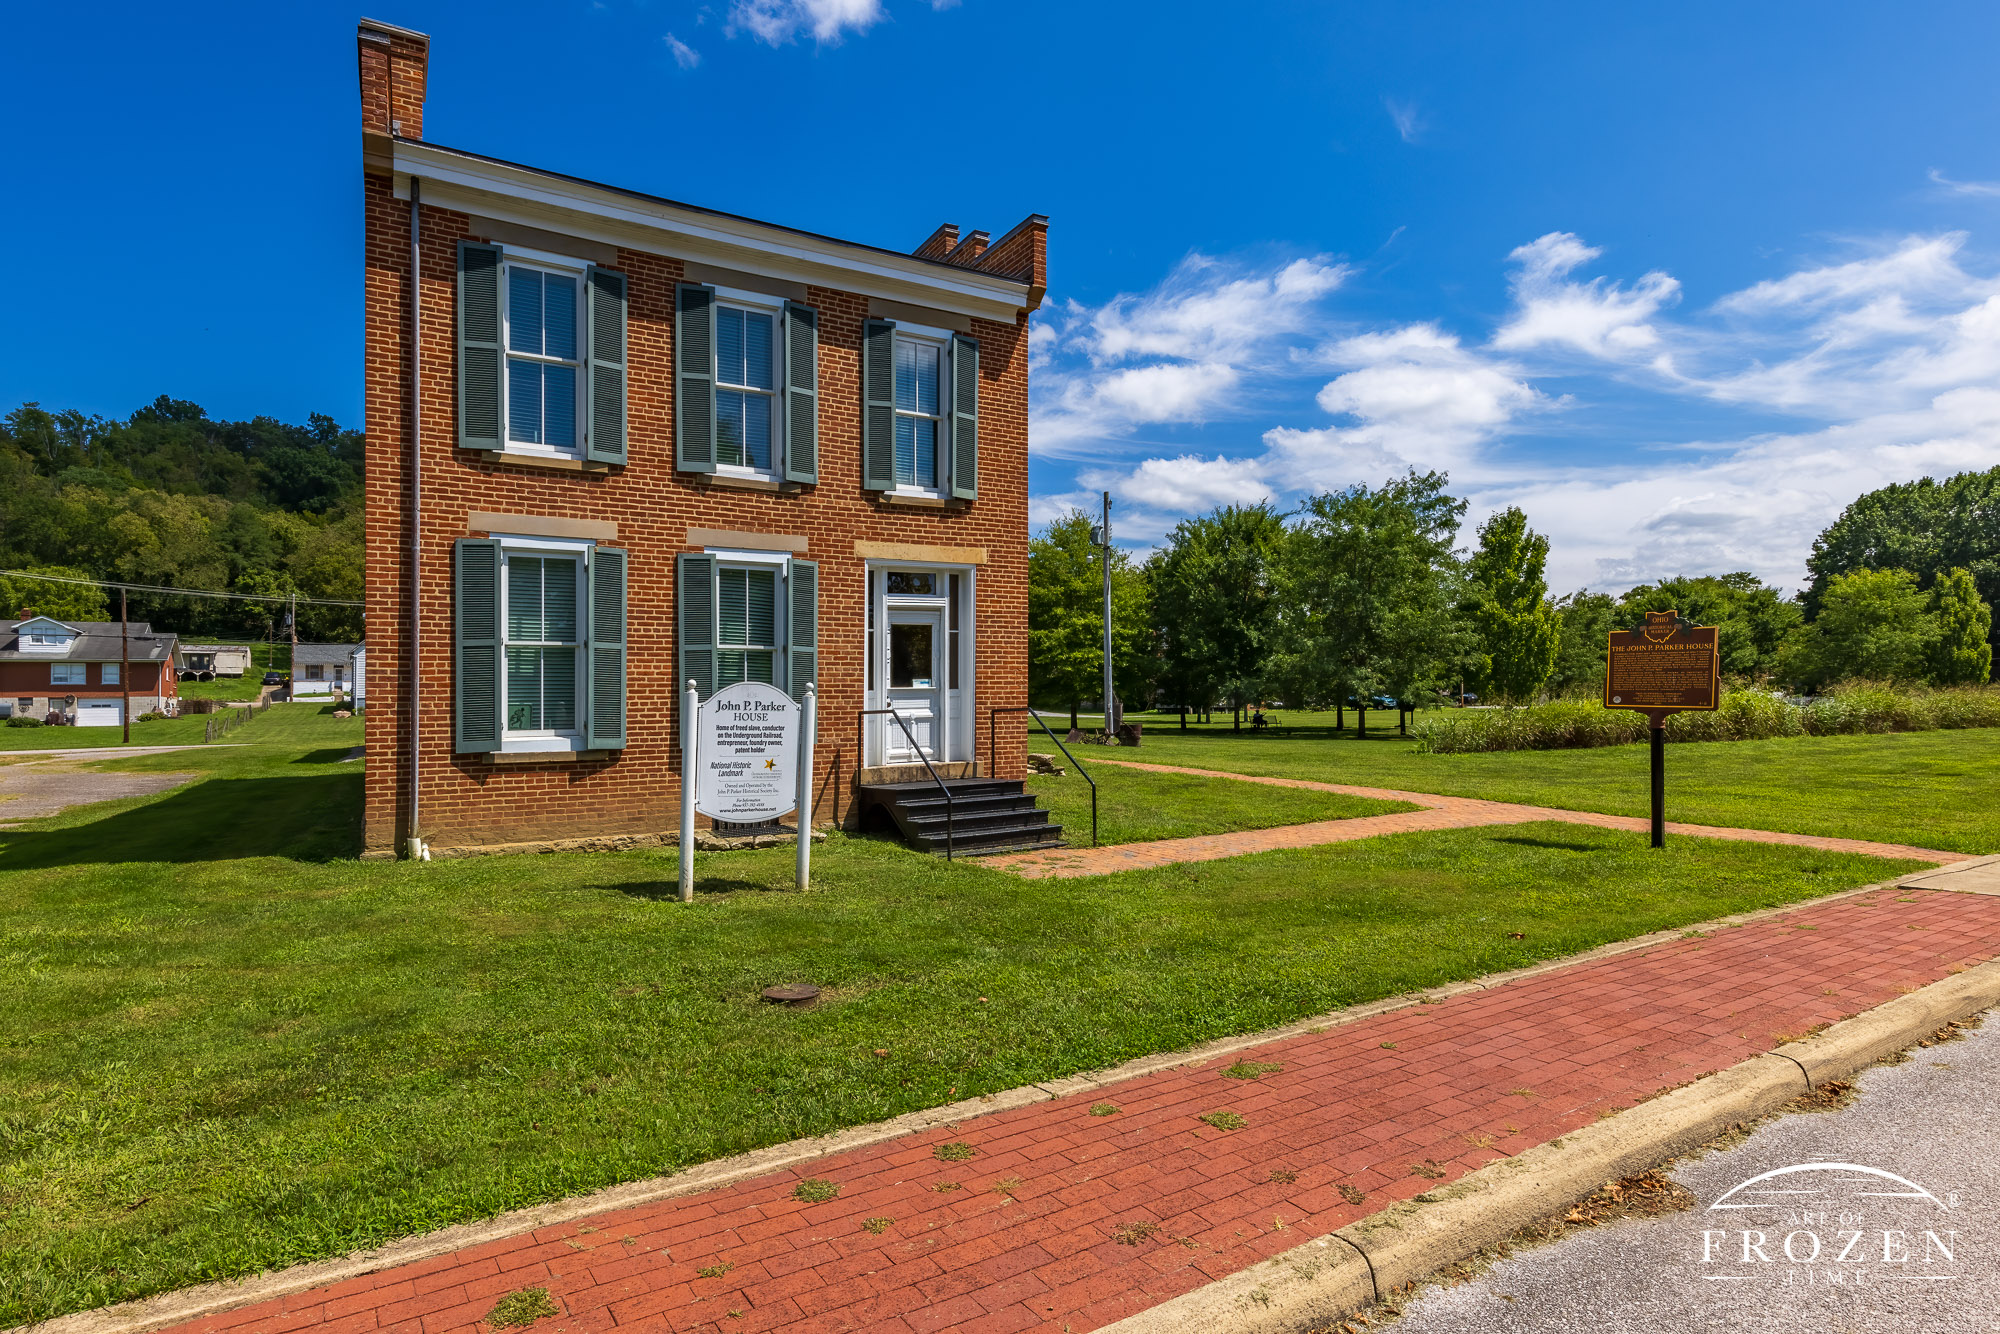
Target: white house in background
322 669
359 690
191 660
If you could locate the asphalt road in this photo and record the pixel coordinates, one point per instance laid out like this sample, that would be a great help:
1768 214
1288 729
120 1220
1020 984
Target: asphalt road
1868 1253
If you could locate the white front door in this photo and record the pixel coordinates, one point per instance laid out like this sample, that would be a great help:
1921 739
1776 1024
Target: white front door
915 672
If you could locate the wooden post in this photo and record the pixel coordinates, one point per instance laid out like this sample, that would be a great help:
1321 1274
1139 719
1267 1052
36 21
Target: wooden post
125 661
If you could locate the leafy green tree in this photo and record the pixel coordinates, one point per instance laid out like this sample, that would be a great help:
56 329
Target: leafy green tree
1873 625
1369 586
1066 618
1926 527
24 594
1964 651
175 498
1211 591
1751 619
1583 621
1509 607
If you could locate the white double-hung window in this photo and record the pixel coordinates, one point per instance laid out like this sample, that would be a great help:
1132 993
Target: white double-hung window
543 593
544 366
919 416
747 420
67 674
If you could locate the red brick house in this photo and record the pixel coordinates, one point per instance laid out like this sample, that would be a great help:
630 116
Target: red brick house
73 668
638 442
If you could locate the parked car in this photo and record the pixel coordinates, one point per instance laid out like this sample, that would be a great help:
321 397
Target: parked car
274 678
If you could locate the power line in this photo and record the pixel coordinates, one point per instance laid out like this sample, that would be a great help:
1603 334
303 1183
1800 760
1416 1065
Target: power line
187 592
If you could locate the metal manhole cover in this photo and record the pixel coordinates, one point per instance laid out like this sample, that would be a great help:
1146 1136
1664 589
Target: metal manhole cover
792 993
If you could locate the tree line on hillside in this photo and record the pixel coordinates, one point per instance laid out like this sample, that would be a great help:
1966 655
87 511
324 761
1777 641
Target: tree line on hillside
173 498
1361 597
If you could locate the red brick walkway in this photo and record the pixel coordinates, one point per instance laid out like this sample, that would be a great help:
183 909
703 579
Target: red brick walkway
1074 1212
1437 813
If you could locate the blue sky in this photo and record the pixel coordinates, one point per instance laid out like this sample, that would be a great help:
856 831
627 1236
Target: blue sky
1679 284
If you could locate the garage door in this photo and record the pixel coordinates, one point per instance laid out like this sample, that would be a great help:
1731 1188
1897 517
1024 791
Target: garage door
100 715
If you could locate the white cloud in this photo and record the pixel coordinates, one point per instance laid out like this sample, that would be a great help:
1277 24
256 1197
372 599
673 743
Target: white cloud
1882 332
1205 310
1408 119
684 55
1985 189
1886 356
1596 318
1188 484
775 22
1186 351
1752 504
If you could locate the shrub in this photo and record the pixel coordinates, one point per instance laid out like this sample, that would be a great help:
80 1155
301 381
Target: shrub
152 716
1747 714
23 720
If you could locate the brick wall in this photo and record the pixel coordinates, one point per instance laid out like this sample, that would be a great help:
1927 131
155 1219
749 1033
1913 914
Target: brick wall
19 678
467 800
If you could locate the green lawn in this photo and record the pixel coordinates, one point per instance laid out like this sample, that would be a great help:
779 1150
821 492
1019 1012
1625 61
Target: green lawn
187 730
1134 806
1931 789
160 732
224 1048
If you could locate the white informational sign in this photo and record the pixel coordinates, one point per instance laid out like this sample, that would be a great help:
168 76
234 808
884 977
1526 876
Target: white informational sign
747 752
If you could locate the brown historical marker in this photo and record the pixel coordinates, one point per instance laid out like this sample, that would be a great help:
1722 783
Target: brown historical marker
1666 664
1663 667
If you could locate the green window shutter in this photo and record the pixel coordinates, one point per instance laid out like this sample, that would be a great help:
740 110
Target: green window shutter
801 393
694 378
479 362
476 617
878 405
694 604
802 667
604 366
964 417
604 721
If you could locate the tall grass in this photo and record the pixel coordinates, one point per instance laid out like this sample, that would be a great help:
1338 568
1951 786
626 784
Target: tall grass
1743 715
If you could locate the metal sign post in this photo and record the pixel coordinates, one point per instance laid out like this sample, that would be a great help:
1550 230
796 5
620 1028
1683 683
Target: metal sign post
690 705
808 724
1664 665
1103 538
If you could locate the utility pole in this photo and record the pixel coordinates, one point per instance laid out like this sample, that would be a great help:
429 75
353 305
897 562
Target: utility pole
1103 536
291 690
125 662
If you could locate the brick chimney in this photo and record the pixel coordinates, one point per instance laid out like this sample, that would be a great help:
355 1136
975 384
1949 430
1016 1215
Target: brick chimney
394 62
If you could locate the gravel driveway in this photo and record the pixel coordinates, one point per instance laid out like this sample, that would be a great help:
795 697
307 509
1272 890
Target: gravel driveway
1881 1218
44 787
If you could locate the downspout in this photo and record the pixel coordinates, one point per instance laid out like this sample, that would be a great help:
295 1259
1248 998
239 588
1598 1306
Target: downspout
414 847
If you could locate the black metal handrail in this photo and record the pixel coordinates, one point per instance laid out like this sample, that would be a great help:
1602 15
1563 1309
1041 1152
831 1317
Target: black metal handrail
992 744
950 816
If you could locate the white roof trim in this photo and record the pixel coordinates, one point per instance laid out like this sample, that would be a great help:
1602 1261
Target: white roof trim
554 203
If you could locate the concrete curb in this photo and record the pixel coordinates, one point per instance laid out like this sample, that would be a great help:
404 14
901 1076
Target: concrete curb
1406 1243
1331 1262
